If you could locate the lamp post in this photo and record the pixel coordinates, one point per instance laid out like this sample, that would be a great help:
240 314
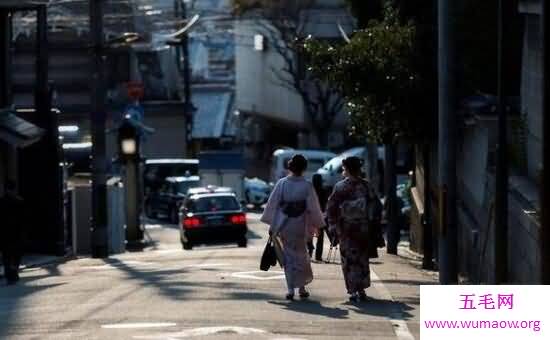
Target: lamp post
129 154
100 240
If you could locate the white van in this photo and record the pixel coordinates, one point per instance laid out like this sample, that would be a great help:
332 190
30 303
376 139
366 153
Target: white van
332 170
315 160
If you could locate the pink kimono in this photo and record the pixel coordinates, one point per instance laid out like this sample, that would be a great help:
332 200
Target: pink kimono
294 232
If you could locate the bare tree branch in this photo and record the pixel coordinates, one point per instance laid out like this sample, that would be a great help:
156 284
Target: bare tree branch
281 22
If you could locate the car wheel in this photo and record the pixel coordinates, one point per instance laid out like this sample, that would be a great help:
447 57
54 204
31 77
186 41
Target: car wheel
186 245
242 243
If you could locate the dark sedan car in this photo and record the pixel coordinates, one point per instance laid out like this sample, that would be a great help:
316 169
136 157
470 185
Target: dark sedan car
167 200
212 217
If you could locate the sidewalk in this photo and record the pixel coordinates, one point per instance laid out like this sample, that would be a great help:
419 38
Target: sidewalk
36 260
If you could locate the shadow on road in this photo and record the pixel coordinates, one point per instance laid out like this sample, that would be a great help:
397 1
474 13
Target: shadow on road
408 282
10 297
382 308
313 307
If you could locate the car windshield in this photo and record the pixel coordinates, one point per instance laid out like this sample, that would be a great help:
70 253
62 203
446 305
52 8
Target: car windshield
160 171
182 187
215 203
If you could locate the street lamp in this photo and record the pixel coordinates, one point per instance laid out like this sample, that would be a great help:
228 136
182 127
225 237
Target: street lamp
100 238
128 147
128 150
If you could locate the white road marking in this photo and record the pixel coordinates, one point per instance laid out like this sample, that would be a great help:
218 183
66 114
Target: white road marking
153 226
139 325
396 318
271 275
204 331
207 265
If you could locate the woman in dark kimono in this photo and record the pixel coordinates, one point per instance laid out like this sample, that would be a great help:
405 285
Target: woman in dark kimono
348 215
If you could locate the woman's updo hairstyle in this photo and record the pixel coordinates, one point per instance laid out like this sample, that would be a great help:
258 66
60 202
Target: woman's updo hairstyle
297 164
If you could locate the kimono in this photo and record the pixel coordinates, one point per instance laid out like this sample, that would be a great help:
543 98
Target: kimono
294 232
348 215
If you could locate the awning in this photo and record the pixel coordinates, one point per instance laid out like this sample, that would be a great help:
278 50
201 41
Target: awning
18 132
210 117
21 3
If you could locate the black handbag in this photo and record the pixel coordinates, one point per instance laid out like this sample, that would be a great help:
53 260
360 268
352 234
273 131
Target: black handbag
269 257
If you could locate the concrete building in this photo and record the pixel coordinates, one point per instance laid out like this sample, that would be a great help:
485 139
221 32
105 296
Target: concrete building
270 105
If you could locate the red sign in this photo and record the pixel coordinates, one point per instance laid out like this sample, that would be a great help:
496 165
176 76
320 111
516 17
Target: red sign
135 90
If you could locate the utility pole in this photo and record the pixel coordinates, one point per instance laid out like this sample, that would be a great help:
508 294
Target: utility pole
187 91
393 232
100 242
545 187
448 267
427 238
501 192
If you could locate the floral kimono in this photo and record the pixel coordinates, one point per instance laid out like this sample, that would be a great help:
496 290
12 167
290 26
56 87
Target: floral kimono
294 232
348 216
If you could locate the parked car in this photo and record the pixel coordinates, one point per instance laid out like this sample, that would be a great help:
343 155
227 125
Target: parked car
331 171
157 170
167 200
280 159
212 217
256 191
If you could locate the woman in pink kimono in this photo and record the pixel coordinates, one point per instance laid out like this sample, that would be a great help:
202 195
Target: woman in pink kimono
347 212
294 216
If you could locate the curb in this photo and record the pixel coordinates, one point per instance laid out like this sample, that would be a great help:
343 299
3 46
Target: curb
408 253
47 262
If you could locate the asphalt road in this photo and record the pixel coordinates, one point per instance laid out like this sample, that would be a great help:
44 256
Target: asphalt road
210 292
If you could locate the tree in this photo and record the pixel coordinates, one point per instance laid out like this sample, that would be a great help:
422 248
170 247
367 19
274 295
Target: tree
377 75
281 22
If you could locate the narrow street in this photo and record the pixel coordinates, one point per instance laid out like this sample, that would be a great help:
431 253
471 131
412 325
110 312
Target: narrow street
211 292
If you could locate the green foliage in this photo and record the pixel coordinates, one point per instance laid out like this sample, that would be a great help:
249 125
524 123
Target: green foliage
376 74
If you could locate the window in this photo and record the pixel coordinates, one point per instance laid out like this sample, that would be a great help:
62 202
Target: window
182 187
216 203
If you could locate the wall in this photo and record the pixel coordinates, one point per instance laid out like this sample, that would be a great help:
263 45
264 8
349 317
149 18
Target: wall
257 85
169 138
531 91
524 265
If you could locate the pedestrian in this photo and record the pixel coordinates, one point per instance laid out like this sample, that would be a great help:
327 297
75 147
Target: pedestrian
317 181
347 212
375 209
294 217
11 232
